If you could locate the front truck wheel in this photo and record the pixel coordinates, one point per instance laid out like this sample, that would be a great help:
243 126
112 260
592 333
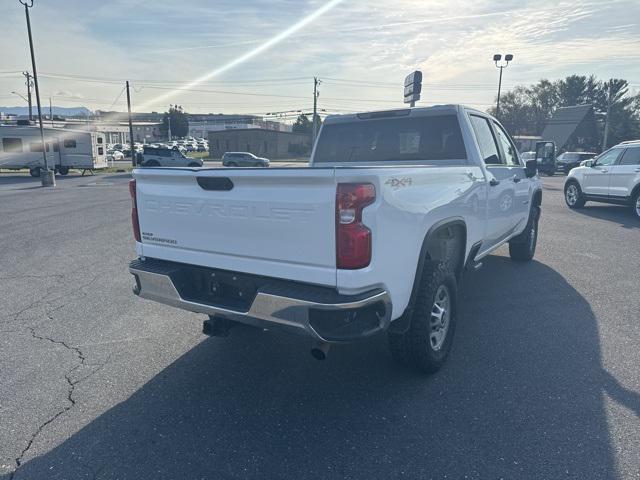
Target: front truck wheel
426 343
523 247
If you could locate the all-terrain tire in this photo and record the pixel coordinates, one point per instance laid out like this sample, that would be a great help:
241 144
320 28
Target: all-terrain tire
523 247
416 348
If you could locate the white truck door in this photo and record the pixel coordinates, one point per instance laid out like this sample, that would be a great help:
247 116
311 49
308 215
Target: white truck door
517 178
625 174
499 223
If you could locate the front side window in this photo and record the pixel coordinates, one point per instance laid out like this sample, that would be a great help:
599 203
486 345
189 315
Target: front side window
631 157
433 137
486 141
609 157
12 145
508 148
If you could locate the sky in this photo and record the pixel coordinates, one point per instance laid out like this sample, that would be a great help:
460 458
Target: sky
260 56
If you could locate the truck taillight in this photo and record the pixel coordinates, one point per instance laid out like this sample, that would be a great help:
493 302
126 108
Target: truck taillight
353 238
134 210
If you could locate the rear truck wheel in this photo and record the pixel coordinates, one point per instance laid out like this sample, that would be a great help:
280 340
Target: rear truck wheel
35 172
523 247
427 342
573 196
635 204
63 170
194 164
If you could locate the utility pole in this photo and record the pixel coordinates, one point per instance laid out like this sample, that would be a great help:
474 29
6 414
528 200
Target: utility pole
606 120
47 177
29 85
131 149
316 82
169 122
50 112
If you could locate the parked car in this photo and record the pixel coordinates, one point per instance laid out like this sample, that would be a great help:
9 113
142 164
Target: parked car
202 148
243 159
374 236
114 155
611 177
531 155
569 160
167 157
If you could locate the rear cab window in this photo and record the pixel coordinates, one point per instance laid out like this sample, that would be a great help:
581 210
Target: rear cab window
426 138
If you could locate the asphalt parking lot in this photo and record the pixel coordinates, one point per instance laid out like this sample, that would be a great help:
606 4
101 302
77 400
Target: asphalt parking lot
543 381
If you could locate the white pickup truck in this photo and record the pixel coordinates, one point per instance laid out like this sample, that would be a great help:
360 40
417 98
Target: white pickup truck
374 236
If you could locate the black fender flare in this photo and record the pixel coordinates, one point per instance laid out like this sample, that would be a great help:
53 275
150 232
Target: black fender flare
401 324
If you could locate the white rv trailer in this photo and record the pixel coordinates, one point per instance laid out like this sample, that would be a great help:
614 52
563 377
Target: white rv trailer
21 147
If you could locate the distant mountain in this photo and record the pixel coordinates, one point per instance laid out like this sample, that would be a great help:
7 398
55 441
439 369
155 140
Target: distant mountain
62 111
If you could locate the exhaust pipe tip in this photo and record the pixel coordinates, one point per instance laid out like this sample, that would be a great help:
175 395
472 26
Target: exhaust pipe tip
320 351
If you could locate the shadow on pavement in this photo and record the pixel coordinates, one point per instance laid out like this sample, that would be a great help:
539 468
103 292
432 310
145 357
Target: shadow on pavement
620 214
521 397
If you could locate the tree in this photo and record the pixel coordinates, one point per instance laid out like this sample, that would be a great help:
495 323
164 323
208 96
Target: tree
527 110
304 125
179 122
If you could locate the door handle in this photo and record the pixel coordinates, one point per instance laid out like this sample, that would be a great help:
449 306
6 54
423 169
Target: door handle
604 170
494 181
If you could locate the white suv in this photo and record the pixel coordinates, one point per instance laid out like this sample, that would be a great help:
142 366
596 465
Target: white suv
611 177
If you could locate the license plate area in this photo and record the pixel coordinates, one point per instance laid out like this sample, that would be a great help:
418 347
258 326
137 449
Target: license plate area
230 290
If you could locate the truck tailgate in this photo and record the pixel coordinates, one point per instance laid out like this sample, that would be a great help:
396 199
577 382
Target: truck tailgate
274 222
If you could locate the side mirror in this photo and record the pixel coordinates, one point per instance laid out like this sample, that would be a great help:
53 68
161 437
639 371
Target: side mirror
545 152
531 168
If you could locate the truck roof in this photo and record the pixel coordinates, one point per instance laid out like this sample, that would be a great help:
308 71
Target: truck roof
399 112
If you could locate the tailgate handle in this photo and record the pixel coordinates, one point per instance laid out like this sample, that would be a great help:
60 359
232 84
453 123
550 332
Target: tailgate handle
215 183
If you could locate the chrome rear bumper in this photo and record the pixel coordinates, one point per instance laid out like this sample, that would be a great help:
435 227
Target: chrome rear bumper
300 313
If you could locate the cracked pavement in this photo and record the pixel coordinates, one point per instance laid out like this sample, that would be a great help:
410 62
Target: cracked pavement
543 381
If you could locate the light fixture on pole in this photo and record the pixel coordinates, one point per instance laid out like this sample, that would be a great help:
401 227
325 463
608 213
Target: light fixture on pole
21 96
497 59
47 177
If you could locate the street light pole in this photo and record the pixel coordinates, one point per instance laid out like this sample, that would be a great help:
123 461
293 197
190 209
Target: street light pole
47 177
496 59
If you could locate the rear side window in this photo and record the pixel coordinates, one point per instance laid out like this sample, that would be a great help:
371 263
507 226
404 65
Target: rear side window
436 137
12 145
486 142
631 157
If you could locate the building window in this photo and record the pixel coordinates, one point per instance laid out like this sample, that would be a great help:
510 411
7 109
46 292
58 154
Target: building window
12 145
37 147
248 147
265 146
227 143
217 144
68 143
74 146
100 151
